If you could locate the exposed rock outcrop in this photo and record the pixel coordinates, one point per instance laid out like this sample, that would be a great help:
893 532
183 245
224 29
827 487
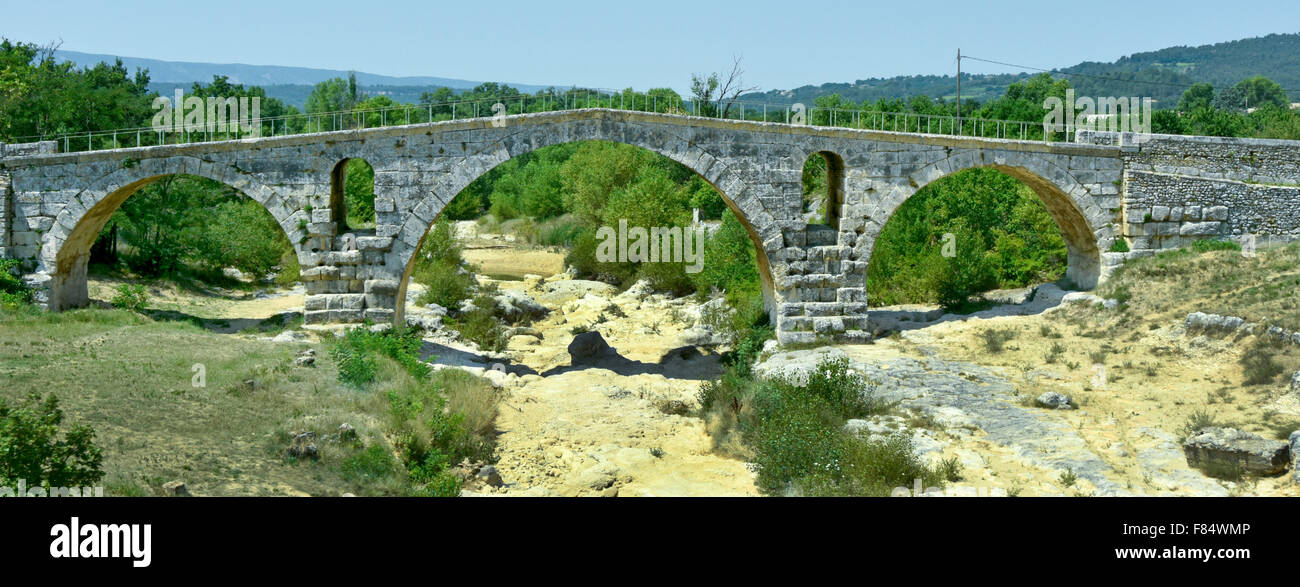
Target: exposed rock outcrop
1215 446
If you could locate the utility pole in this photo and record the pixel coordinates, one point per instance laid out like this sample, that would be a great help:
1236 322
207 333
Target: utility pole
959 90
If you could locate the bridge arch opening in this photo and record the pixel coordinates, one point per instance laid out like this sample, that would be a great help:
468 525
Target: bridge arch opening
174 226
352 195
561 194
823 188
979 229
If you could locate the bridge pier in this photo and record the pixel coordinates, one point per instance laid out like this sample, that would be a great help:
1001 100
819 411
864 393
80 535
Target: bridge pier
350 281
822 291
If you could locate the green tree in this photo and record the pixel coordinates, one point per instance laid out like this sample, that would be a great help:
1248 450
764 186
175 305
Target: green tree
1200 95
1253 92
268 107
595 171
703 93
32 450
1024 100
1272 122
333 95
40 96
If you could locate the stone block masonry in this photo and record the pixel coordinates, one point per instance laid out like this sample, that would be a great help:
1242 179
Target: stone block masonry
52 205
1180 189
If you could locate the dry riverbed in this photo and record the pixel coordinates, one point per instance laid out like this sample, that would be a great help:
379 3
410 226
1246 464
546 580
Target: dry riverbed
621 424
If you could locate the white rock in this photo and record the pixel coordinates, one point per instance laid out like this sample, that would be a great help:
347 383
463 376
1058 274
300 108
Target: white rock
290 336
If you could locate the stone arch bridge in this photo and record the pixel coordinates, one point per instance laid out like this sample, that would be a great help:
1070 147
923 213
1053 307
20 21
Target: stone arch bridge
1159 194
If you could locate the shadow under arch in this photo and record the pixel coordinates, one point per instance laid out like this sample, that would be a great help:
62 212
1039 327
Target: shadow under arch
1084 239
68 287
715 173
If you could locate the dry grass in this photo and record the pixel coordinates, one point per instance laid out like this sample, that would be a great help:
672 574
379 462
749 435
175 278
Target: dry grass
473 397
1263 288
130 378
1136 368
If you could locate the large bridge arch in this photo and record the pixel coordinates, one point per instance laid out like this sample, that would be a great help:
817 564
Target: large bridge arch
735 189
65 249
1086 228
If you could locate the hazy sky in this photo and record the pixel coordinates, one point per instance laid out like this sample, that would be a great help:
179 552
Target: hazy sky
621 43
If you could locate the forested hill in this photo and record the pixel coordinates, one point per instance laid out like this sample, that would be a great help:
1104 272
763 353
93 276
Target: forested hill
1162 75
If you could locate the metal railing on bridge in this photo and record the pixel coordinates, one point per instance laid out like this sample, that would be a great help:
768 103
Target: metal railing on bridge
305 123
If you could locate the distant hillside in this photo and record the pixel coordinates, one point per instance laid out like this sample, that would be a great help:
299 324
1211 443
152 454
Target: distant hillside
1162 75
291 84
980 87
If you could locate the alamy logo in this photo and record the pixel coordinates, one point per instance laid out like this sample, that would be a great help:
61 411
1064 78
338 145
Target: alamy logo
658 244
798 114
499 115
1248 245
22 490
74 540
1109 114
241 115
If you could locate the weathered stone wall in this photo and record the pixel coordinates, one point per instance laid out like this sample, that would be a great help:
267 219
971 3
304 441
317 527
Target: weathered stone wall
28 149
1268 161
1180 189
1168 211
6 213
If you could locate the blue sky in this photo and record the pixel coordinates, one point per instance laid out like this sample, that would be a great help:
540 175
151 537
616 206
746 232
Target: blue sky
621 43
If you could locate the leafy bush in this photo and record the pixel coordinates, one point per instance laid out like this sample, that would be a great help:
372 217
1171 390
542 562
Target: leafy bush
31 448
875 468
481 325
995 339
794 433
153 259
1206 245
846 393
445 285
744 324
13 292
290 270
241 234
430 435
370 466
435 419
438 267
562 231
356 351
131 297
730 260
794 444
